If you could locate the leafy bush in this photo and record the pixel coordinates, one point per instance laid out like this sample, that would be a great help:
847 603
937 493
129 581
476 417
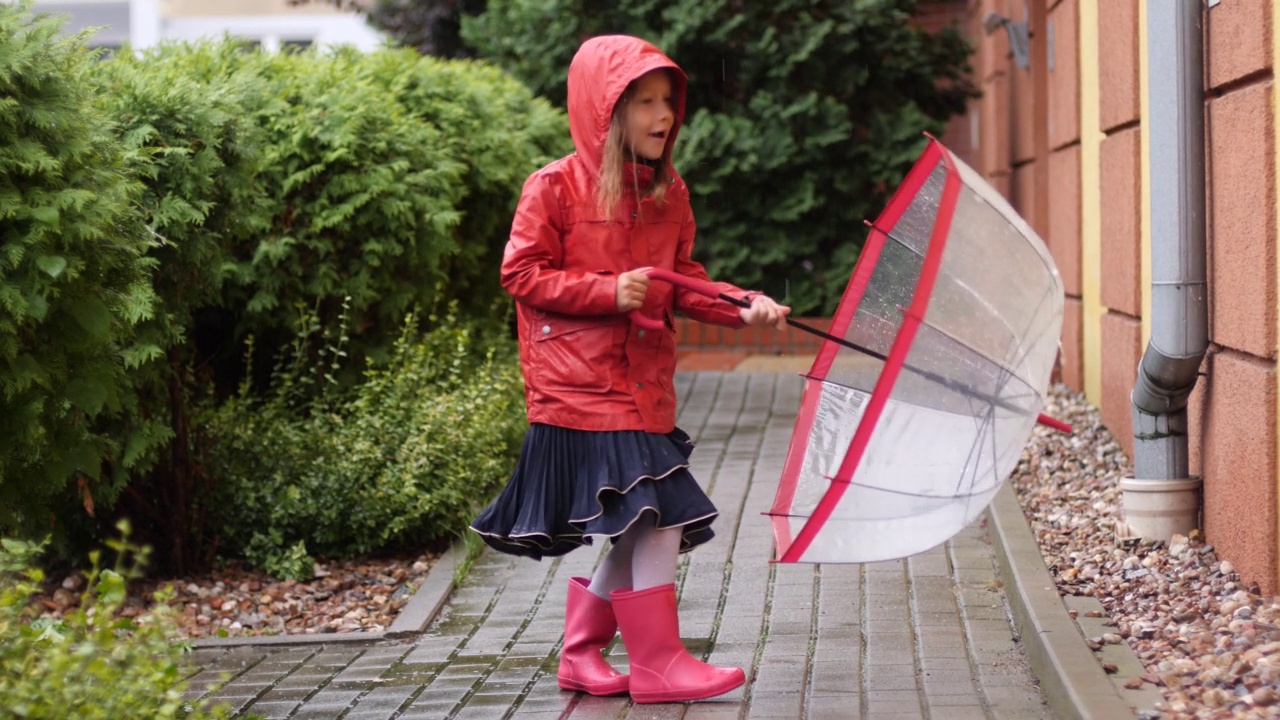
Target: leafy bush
503 134
406 457
804 115
303 179
390 176
74 283
93 663
200 156
233 187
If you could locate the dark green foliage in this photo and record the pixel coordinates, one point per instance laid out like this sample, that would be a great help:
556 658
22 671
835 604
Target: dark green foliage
95 663
376 173
73 283
367 199
233 188
804 115
201 157
404 458
501 135
381 177
298 180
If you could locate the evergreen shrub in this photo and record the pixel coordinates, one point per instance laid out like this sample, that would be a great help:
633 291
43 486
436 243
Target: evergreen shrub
308 178
383 180
74 283
402 459
187 119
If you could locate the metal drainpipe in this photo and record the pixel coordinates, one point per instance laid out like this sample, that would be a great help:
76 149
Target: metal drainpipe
1162 498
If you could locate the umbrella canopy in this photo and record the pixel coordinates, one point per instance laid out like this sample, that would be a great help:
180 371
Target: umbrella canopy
931 378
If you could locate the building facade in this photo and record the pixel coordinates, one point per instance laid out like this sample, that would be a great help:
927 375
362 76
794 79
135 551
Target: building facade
270 24
1064 131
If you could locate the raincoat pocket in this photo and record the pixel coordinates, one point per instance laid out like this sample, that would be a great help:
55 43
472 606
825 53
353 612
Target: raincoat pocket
573 353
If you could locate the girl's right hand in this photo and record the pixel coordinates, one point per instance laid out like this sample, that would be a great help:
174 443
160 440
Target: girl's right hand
632 286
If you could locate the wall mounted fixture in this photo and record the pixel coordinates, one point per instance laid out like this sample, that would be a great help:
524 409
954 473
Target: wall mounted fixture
1019 36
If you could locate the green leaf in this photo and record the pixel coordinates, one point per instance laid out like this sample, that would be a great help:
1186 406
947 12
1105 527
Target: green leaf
92 315
110 587
37 307
52 265
46 215
87 394
27 369
87 460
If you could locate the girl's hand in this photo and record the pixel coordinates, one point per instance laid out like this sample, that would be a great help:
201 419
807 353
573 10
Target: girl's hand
632 287
764 311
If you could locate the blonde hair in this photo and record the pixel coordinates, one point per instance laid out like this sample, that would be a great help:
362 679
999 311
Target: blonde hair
613 165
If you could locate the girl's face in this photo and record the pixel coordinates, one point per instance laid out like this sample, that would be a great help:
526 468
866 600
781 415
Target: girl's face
650 113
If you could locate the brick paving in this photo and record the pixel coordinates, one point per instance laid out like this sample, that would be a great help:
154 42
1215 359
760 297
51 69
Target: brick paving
929 637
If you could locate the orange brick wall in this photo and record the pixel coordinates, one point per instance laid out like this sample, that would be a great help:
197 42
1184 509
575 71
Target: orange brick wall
1232 417
692 335
1236 434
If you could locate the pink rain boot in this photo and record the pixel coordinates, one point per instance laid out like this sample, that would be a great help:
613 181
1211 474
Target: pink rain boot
589 625
662 670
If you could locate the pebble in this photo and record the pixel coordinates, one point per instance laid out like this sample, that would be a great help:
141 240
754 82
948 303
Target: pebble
1207 640
360 595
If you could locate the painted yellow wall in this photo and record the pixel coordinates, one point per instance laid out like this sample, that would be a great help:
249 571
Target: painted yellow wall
1091 137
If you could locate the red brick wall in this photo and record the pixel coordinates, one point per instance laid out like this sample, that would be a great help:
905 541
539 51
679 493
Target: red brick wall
1236 433
692 336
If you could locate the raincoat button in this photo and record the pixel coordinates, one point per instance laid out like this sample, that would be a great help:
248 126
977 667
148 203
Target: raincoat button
640 334
640 386
633 216
546 329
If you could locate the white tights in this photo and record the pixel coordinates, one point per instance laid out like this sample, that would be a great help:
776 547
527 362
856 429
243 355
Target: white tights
643 557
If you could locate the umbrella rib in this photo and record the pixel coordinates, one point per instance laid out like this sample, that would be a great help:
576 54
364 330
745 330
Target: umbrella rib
889 234
887 490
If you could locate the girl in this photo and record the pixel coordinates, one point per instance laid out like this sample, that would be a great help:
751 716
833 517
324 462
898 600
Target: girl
602 456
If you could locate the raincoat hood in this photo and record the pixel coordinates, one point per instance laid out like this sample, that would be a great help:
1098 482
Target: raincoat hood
598 75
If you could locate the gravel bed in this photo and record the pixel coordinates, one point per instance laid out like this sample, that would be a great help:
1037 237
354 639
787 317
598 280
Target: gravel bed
345 596
1207 640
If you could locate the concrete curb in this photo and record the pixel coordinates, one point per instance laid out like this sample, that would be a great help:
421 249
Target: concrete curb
425 605
1070 675
414 617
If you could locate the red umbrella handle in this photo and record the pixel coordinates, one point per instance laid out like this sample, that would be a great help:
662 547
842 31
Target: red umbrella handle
674 278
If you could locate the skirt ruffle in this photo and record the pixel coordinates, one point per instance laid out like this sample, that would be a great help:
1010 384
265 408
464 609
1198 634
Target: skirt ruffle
571 485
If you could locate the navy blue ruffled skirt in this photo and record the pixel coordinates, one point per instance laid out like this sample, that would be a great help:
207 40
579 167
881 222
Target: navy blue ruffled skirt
571 485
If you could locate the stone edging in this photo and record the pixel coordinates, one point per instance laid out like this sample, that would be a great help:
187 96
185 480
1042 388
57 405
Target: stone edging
1070 675
414 617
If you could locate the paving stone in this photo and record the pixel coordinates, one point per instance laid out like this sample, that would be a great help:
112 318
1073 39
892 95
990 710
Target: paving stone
880 641
274 710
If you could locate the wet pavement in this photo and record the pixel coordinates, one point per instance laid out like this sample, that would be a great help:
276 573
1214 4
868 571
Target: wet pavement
929 637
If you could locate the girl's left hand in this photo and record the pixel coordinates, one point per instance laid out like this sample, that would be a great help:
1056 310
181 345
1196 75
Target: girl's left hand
764 311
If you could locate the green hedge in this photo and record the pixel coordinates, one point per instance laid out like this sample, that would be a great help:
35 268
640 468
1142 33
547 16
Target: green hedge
161 208
405 458
74 283
306 178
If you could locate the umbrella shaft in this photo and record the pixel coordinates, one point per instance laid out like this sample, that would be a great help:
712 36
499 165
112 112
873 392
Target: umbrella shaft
1041 419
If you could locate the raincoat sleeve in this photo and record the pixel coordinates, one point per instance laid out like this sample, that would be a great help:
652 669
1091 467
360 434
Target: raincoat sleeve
700 307
535 252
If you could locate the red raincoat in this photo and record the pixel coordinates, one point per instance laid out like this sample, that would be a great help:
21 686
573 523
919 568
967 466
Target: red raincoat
585 365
